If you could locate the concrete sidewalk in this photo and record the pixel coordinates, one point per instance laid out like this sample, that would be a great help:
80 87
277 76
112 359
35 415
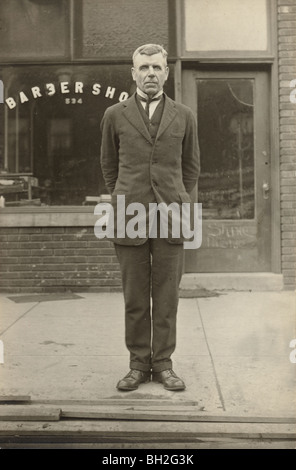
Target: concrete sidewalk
232 351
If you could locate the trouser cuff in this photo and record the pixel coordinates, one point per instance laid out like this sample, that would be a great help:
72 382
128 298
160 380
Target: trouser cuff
140 366
159 367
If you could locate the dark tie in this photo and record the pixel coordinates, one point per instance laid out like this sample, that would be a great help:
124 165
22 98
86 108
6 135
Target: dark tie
148 101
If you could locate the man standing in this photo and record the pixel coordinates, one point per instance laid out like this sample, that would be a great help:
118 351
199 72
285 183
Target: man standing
150 155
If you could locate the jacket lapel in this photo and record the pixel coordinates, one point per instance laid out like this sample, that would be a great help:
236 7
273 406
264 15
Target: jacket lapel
133 115
168 115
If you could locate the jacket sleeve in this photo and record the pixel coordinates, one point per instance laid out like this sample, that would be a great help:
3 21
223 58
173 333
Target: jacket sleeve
109 151
190 154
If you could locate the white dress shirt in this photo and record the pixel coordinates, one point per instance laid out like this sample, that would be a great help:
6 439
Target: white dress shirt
153 104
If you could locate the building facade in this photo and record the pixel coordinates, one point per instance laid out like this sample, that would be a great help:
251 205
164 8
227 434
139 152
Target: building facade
63 62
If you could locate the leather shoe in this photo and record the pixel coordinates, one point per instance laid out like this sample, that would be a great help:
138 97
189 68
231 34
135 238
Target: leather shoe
169 380
133 379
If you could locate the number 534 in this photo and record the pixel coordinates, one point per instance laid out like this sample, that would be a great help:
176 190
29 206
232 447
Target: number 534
73 100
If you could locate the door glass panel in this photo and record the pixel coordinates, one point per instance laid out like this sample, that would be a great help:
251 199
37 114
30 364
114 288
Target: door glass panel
226 137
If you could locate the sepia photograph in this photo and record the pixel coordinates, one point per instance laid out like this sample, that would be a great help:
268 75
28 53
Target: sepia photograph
147 227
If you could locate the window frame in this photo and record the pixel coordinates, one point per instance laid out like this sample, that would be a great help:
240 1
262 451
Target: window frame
225 55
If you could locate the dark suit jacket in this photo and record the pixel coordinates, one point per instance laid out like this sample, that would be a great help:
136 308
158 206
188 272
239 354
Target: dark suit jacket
145 171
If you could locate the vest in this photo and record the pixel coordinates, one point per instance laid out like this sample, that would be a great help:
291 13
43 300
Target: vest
153 124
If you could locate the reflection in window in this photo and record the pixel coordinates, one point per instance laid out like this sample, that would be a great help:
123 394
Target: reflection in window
59 159
33 28
226 136
19 145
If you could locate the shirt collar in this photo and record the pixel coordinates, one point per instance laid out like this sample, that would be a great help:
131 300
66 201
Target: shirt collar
141 93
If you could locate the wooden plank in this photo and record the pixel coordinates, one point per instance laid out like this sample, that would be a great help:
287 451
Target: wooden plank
154 414
199 444
121 402
28 413
192 409
15 399
137 431
150 415
113 409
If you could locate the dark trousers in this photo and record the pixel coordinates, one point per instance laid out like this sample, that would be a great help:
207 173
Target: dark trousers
151 274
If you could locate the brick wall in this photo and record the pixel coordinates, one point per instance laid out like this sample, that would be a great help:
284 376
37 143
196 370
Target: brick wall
56 259
287 72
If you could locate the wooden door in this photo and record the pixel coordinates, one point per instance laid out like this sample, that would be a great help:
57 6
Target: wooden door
232 110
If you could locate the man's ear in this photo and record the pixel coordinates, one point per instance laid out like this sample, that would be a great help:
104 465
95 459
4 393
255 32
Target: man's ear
167 71
133 72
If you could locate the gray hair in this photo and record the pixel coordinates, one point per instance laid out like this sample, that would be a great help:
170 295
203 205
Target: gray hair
150 49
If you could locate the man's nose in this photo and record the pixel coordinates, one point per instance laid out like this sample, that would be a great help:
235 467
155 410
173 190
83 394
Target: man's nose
151 70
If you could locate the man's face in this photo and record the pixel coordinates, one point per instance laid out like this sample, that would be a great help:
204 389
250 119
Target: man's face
150 73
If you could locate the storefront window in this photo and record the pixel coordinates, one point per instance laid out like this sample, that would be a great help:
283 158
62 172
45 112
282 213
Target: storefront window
34 29
226 135
117 28
51 124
